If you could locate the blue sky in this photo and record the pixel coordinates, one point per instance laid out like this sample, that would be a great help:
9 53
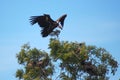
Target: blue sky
95 22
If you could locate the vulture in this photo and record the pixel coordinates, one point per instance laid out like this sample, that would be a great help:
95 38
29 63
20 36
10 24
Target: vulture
47 24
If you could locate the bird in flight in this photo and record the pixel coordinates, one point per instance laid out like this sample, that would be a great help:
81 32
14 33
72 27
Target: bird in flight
47 24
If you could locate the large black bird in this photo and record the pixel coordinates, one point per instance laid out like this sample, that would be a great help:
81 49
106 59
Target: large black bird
47 24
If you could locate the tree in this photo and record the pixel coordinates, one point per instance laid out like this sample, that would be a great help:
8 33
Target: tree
77 61
37 64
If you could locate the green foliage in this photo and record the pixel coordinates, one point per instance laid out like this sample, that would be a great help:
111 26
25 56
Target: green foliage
77 62
19 73
37 64
81 61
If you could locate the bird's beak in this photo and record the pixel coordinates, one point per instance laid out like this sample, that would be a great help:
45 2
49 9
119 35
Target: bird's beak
60 27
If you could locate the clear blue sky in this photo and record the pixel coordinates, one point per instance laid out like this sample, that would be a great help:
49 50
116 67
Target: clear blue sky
95 22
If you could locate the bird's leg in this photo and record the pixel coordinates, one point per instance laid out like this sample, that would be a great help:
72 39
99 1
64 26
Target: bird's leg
60 27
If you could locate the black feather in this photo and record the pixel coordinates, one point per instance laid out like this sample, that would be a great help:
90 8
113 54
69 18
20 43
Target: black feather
46 23
61 19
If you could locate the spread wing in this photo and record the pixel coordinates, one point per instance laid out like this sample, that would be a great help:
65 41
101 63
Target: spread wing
43 21
61 19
